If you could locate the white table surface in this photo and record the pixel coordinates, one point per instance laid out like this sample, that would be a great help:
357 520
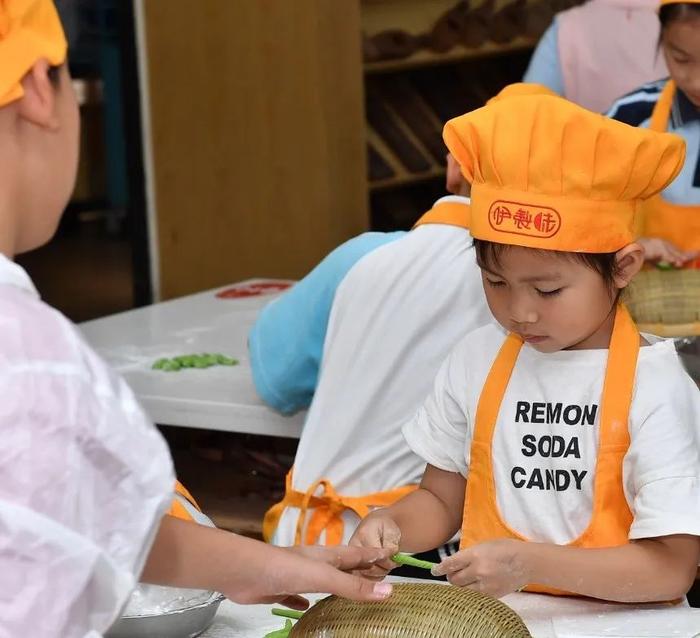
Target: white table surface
545 617
217 398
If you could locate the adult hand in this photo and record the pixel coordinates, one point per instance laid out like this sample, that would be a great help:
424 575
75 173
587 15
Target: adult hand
317 569
495 567
660 250
247 571
378 530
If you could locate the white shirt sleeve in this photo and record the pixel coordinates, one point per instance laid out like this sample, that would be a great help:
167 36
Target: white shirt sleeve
84 480
662 466
440 432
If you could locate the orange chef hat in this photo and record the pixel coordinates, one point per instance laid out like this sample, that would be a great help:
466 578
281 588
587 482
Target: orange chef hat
519 89
663 2
546 173
29 30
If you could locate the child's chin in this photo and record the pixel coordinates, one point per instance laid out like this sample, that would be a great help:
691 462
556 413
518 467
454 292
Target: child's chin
547 346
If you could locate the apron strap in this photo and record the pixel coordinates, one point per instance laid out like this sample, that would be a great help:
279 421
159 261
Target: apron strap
326 510
620 377
494 389
662 111
450 213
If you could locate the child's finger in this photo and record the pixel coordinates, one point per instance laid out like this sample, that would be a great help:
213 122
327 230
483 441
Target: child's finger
391 537
463 578
366 536
452 564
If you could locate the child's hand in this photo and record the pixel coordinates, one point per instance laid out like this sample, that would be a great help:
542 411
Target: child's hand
496 567
660 250
378 530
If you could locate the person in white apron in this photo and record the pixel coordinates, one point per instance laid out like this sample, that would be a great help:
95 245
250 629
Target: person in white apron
670 226
85 476
562 443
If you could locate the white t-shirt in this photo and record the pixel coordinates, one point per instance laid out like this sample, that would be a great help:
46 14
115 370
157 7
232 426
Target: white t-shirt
85 477
546 436
395 317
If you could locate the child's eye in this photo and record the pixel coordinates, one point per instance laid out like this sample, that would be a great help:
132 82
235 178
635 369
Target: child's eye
548 293
496 284
680 60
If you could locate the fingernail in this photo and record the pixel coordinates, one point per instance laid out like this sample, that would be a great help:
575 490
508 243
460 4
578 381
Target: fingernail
382 590
437 571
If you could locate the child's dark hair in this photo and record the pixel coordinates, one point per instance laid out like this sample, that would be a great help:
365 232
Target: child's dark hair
489 255
678 11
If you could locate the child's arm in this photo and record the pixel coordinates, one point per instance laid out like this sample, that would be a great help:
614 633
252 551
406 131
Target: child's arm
421 521
654 569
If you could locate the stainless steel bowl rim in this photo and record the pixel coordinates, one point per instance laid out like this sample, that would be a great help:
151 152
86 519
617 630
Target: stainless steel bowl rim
214 599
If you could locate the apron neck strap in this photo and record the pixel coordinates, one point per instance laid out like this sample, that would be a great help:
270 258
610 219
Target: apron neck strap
449 213
662 110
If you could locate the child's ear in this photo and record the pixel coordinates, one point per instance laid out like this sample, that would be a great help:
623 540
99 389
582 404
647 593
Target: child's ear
38 104
628 262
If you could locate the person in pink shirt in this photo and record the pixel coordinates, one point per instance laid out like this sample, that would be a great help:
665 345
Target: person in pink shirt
596 52
85 478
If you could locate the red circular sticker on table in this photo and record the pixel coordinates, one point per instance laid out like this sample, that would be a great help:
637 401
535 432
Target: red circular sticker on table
240 291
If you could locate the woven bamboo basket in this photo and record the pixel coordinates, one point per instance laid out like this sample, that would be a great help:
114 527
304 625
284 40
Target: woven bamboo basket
414 610
666 302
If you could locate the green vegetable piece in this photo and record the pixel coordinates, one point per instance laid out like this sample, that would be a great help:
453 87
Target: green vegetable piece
281 633
287 613
200 361
405 559
664 265
183 361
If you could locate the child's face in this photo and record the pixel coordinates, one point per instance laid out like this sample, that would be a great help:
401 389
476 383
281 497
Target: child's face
681 40
552 302
52 163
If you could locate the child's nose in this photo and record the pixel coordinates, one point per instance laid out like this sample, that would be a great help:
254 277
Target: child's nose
521 310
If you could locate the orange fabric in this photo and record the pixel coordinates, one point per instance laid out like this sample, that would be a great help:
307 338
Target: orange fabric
611 518
327 510
29 31
519 89
177 509
548 174
450 213
675 223
663 2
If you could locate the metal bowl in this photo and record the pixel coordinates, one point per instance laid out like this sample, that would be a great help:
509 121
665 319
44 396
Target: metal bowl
182 623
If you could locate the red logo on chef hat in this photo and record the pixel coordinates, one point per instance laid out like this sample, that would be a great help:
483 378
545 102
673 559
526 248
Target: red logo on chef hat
240 291
524 219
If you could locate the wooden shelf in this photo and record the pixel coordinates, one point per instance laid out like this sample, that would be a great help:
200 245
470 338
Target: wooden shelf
404 179
457 54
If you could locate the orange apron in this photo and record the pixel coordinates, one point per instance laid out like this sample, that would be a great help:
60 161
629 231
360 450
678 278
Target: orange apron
327 507
673 222
611 517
